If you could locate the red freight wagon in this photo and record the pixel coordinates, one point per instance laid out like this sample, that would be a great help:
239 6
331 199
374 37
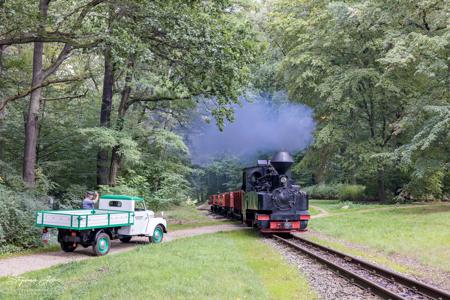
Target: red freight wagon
237 197
221 200
231 200
227 199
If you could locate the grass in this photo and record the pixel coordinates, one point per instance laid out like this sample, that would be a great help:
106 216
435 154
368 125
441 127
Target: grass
421 233
337 206
233 265
46 248
313 211
185 217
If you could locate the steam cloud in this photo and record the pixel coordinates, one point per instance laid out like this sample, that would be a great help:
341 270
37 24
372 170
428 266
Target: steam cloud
269 124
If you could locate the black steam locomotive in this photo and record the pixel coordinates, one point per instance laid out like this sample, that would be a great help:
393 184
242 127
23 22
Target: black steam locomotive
269 199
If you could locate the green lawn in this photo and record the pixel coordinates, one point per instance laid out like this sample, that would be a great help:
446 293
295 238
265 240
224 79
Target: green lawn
422 233
233 265
313 211
184 217
336 206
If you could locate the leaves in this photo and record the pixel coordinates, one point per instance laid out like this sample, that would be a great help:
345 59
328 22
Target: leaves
376 74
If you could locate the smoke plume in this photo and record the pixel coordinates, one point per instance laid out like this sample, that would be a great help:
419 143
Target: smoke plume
268 124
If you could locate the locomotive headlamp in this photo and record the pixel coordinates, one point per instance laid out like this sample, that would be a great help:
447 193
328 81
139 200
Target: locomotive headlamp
283 179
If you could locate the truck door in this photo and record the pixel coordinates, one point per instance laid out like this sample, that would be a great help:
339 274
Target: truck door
140 219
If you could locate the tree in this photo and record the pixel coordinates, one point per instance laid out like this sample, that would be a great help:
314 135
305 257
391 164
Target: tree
185 52
364 67
39 34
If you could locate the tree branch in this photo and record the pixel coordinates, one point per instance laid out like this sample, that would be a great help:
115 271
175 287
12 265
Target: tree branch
44 84
59 60
158 99
69 97
49 37
85 10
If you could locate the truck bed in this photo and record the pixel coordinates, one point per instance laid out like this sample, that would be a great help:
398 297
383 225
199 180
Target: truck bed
83 219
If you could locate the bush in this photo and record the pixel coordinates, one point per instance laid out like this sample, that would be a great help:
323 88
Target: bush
351 192
339 191
322 191
17 216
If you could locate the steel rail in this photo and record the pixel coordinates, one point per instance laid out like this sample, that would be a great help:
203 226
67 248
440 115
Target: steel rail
375 288
423 288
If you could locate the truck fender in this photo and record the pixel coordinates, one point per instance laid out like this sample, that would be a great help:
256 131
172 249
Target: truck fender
108 232
153 222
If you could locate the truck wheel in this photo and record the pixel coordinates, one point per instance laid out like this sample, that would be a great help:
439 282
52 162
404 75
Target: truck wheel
157 236
68 246
102 244
126 239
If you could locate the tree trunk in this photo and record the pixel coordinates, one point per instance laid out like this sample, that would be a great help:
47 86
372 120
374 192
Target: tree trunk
2 113
105 116
116 156
381 187
2 48
32 121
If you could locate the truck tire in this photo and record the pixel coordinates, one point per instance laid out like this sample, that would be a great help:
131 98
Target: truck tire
102 244
68 246
125 239
158 235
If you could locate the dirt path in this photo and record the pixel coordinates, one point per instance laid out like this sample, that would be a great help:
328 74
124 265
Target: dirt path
323 212
22 264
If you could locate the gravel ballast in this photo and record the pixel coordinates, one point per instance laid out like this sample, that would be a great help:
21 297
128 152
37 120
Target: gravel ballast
327 284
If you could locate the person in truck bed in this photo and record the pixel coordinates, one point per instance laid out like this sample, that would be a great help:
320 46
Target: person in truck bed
89 200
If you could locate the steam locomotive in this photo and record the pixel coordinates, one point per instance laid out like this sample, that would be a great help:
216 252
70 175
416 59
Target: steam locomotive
268 199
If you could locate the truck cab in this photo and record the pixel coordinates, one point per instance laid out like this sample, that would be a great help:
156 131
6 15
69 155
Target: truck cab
144 219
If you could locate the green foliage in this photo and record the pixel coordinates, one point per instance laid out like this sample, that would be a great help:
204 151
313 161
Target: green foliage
376 74
322 191
17 217
106 139
344 192
351 192
220 175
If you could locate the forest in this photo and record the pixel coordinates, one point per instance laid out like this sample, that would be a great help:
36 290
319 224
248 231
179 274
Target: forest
95 94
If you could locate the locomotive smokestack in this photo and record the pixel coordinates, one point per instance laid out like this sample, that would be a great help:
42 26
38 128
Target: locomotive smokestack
282 161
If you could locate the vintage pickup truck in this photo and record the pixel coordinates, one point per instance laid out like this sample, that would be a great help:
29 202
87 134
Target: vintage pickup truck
117 217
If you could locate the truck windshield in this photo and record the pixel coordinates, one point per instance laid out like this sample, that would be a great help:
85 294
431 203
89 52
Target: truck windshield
140 205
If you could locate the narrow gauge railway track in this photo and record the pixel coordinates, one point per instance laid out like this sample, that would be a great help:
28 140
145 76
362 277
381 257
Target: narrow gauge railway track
379 281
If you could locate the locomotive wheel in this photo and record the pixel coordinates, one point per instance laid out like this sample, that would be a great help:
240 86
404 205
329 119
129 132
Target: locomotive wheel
285 235
303 225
